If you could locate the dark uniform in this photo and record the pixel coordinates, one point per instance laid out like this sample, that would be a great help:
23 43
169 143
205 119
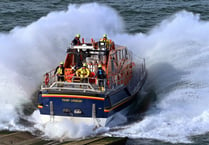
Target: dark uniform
101 75
76 40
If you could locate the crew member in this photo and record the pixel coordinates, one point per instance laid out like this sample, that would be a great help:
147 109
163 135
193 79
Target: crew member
46 79
76 40
105 40
83 73
59 71
101 75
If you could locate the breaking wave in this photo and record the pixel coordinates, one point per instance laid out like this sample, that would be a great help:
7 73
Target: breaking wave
28 52
176 53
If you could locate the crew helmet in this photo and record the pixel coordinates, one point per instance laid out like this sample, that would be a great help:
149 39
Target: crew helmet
78 35
99 66
84 64
62 62
105 35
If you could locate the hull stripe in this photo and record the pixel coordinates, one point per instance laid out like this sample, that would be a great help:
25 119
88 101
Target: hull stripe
72 96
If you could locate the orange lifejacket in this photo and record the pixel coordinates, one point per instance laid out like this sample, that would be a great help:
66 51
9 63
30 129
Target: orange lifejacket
68 74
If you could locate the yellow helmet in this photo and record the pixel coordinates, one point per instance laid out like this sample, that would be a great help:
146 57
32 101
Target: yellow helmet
105 35
84 64
61 62
78 35
99 65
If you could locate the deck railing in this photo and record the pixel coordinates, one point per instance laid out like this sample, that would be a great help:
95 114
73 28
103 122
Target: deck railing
131 75
75 83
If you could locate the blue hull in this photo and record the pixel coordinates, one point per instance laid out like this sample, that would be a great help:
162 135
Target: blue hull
86 104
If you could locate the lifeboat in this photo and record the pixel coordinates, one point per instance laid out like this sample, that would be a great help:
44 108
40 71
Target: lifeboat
92 99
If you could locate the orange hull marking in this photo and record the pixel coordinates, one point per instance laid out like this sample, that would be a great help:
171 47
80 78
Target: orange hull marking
40 107
72 96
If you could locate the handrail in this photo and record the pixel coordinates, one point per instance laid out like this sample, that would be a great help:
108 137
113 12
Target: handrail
91 83
70 86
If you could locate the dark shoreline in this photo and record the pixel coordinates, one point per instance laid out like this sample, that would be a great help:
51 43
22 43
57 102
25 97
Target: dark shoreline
23 138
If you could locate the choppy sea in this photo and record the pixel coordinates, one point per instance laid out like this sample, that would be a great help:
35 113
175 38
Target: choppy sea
173 37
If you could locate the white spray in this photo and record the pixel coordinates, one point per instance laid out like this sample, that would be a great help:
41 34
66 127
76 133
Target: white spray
28 52
176 53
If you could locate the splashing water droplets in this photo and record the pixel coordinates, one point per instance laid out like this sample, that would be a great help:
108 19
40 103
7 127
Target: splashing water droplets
176 53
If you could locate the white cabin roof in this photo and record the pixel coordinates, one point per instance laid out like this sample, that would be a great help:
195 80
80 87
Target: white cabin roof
83 47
